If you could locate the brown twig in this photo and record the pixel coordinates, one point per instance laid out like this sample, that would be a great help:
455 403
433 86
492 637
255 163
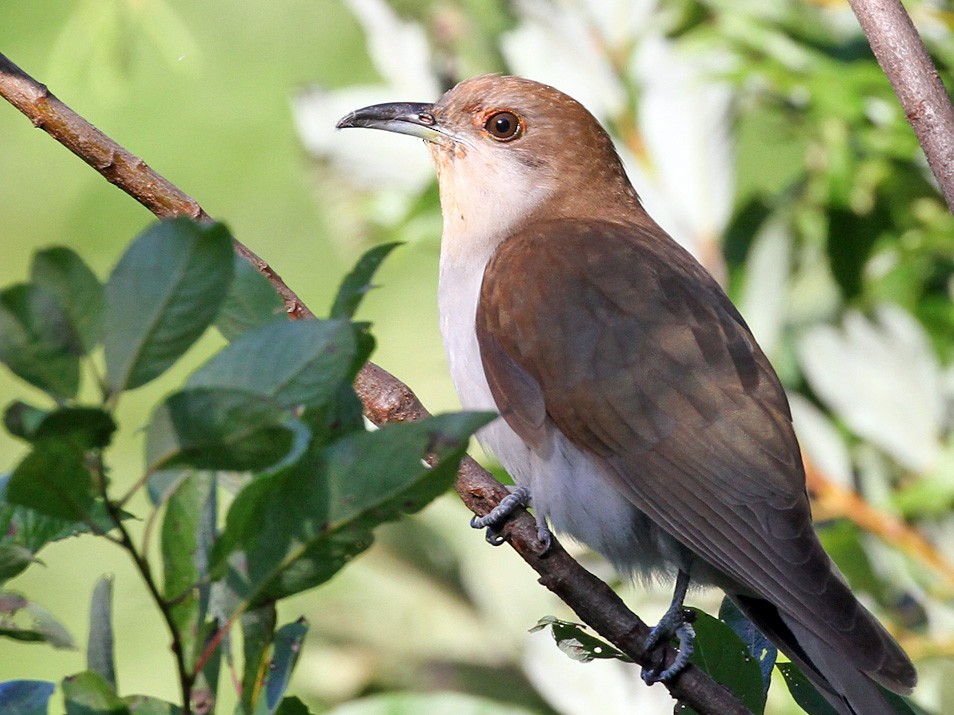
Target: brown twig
901 53
385 398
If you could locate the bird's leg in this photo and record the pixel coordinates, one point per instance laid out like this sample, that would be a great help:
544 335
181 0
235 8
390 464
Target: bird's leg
674 624
518 498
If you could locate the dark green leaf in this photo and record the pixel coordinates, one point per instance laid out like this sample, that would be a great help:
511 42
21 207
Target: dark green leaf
63 273
37 341
27 621
99 650
21 419
759 646
720 653
182 553
299 526
258 630
84 427
28 528
251 303
299 362
14 559
574 641
292 706
164 292
53 480
358 282
287 648
87 693
219 428
803 692
25 697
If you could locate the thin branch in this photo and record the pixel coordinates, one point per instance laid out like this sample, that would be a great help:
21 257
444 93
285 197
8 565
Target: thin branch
385 398
901 53
145 571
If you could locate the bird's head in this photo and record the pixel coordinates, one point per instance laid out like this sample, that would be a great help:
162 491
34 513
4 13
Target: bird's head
508 150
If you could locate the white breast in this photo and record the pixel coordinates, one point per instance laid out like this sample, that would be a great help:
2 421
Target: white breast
567 486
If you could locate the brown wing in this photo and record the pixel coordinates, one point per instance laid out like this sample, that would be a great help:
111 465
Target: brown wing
618 337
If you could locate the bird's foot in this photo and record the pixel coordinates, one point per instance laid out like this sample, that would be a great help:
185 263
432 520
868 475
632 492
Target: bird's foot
518 498
675 624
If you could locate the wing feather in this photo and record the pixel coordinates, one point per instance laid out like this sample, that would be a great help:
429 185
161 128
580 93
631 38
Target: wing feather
635 353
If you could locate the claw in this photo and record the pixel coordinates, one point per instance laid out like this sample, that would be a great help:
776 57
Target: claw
674 624
517 499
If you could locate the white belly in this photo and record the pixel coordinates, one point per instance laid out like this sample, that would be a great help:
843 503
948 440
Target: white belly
566 484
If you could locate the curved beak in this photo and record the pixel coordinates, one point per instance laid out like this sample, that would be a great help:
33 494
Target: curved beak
400 117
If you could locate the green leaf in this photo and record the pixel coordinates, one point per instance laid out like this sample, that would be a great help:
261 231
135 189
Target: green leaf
573 640
760 647
14 559
183 555
66 276
358 282
292 706
258 630
31 530
219 428
24 620
87 693
287 648
145 705
720 652
53 480
164 292
37 341
99 649
25 697
298 527
803 692
162 445
84 427
251 303
300 362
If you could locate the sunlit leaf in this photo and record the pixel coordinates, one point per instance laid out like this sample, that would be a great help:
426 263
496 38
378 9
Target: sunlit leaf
87 693
164 292
572 639
299 362
296 528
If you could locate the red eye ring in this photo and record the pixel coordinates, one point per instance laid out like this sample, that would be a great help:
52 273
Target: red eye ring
503 126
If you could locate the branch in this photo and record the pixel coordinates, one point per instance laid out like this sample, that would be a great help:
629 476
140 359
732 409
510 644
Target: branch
385 398
901 53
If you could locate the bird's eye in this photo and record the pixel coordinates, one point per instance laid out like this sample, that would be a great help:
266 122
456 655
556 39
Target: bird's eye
503 125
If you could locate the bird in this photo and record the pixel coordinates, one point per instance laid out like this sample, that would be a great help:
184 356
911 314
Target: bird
638 415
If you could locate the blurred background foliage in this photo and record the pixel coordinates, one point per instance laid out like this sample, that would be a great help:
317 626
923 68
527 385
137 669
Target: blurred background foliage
762 135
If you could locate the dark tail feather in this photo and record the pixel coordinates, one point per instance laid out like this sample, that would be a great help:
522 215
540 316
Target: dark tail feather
834 674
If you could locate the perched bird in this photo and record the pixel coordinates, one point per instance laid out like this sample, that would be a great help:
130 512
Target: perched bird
639 415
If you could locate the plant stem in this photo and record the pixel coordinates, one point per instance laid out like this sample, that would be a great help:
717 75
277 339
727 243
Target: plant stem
186 679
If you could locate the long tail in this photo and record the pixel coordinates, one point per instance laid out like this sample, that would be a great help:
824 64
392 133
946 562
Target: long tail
849 690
